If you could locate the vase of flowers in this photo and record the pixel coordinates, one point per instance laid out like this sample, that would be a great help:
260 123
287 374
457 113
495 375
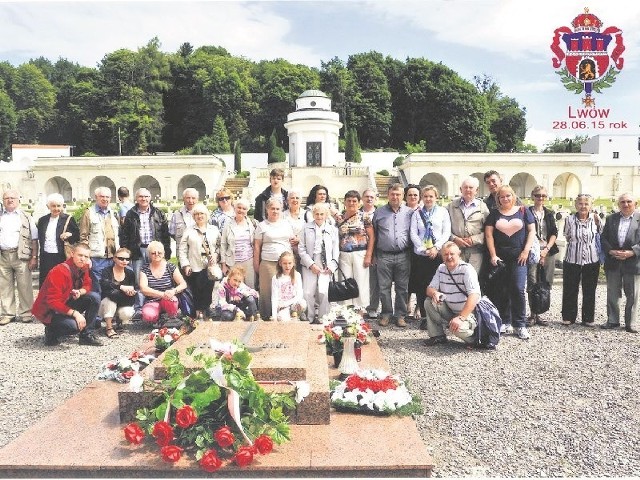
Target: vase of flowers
342 322
348 363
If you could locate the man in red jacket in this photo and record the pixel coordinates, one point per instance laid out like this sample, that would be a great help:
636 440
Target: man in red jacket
65 304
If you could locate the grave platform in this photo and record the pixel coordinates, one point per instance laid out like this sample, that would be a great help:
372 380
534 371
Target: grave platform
83 437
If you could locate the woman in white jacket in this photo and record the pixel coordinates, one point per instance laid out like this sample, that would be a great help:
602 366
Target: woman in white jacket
319 251
236 246
198 250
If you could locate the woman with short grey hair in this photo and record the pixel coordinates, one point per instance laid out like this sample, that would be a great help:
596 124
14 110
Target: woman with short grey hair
53 229
236 246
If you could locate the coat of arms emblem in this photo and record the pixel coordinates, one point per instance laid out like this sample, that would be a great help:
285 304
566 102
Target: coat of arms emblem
591 59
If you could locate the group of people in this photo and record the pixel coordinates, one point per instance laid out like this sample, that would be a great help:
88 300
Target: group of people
113 266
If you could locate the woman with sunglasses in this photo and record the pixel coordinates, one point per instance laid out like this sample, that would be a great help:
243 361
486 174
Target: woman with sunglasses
547 233
118 285
198 252
160 283
581 262
225 210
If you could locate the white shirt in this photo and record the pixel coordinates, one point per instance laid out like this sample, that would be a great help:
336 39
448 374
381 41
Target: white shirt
50 244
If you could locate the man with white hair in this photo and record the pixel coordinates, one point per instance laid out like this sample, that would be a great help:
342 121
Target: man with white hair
18 257
468 214
182 219
99 231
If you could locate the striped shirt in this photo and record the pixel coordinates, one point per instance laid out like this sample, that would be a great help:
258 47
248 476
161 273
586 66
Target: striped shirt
581 240
465 276
164 283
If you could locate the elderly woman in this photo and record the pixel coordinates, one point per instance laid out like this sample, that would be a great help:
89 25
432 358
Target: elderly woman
53 229
118 290
581 263
198 250
319 194
236 247
355 232
160 283
295 216
430 230
547 232
225 210
272 237
319 251
510 232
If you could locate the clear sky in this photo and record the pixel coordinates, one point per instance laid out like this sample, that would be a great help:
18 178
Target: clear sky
506 39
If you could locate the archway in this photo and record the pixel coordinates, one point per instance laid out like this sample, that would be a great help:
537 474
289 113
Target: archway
437 181
191 181
566 185
522 184
102 181
150 183
483 191
60 185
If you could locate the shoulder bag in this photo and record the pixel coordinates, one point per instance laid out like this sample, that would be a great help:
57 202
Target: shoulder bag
340 290
68 248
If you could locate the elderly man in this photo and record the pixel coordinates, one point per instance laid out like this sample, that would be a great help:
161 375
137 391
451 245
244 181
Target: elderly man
621 244
99 231
65 304
182 219
18 257
453 294
468 214
392 247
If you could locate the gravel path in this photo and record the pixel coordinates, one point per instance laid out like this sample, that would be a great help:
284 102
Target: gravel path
565 403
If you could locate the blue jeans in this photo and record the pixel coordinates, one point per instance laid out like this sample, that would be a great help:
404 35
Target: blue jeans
393 268
88 305
136 265
97 265
510 294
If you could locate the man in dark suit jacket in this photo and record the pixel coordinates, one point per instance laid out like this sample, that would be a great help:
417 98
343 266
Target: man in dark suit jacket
621 243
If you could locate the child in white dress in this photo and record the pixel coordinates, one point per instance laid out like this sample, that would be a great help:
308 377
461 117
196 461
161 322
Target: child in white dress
286 290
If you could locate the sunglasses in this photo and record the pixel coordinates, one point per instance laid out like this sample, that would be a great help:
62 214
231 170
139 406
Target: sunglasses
124 259
224 198
584 195
540 195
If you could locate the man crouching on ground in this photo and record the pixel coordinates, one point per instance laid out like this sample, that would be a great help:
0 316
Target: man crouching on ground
65 303
452 296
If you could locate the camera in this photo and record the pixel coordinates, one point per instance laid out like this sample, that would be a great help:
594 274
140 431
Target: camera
500 266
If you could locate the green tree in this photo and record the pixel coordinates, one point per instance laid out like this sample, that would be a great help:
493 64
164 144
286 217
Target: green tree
507 120
237 156
276 152
567 145
336 81
8 121
370 99
352 151
34 100
220 136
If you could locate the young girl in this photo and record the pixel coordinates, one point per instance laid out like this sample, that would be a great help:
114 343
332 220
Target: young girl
286 290
236 298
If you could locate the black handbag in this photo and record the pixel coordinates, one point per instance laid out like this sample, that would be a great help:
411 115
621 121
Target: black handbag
340 290
540 293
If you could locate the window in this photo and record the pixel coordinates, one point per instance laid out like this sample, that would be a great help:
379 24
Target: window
616 154
314 154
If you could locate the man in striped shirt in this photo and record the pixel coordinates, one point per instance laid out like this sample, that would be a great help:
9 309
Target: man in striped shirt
452 296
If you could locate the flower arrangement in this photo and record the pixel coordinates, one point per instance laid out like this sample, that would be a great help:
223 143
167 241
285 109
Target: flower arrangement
374 391
126 367
164 337
340 322
218 412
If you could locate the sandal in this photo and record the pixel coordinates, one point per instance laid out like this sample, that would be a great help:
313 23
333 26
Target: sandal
111 333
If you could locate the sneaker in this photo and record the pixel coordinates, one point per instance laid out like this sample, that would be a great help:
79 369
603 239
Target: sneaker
401 322
137 316
384 321
523 333
90 339
6 320
508 329
431 341
50 338
372 315
26 318
503 329
303 317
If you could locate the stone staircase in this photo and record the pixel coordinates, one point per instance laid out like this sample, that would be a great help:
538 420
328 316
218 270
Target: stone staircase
236 185
382 185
